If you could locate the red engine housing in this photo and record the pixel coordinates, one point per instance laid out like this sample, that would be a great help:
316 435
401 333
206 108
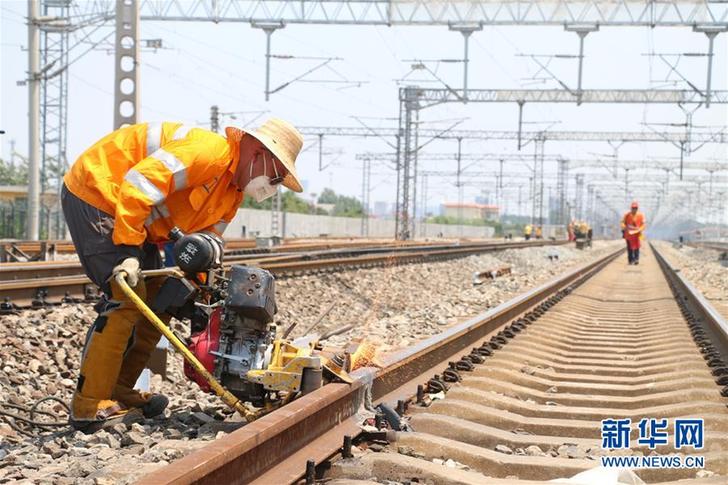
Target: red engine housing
202 344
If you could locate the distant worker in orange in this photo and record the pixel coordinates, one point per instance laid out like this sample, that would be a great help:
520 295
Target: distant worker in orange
633 228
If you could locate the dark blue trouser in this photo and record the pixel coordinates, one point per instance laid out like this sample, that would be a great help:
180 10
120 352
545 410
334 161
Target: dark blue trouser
91 231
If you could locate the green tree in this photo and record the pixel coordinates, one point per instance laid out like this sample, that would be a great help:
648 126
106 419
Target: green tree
294 203
328 196
13 174
455 221
344 206
348 207
466 222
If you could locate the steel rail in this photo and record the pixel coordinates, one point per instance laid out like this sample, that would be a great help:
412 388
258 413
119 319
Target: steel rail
40 269
66 246
605 349
44 269
716 246
32 292
396 256
232 245
714 324
275 448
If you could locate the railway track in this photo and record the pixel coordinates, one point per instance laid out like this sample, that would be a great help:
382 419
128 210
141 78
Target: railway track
65 246
526 386
13 251
716 246
277 254
709 273
36 284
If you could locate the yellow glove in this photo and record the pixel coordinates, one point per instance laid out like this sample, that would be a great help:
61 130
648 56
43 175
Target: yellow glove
130 266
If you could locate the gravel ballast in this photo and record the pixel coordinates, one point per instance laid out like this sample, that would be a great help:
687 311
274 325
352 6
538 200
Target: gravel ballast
701 267
393 306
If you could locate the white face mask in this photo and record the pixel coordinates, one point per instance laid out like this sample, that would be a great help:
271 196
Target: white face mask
260 188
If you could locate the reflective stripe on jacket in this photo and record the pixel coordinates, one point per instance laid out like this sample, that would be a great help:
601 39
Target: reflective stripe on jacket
154 176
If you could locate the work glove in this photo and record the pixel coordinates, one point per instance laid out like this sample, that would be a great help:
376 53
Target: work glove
130 266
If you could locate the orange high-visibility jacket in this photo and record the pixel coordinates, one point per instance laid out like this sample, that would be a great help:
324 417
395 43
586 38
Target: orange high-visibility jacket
154 176
633 222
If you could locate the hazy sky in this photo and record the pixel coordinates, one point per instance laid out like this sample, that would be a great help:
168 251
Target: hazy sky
202 64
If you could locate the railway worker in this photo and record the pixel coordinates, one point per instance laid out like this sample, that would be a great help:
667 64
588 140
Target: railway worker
633 227
122 197
527 232
539 232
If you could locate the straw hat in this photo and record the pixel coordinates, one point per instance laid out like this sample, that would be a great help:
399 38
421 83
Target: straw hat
285 142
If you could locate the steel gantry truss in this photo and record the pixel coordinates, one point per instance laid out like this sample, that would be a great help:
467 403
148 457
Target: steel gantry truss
413 99
676 166
644 174
573 163
433 96
562 188
54 88
647 178
606 13
464 16
579 198
564 164
481 157
719 136
48 94
50 25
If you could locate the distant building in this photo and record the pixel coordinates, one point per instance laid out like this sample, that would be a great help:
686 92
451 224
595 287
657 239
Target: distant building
381 209
13 194
470 211
486 198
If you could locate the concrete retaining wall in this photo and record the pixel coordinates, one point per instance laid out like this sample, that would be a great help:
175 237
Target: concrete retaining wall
306 225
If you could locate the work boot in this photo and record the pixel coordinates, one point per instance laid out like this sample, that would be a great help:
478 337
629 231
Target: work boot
156 404
146 336
110 413
150 404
